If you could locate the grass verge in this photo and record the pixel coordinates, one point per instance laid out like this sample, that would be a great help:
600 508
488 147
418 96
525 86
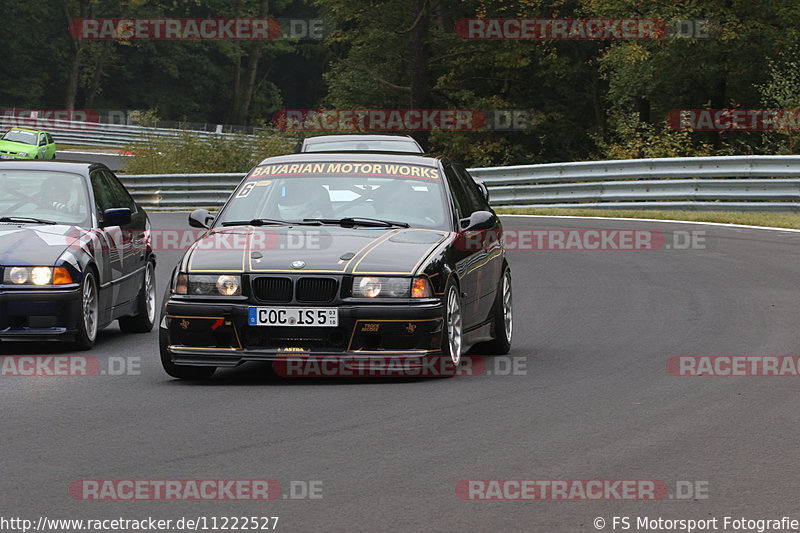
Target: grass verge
772 220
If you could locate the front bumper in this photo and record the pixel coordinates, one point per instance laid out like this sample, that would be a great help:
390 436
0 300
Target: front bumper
4 155
40 313
218 334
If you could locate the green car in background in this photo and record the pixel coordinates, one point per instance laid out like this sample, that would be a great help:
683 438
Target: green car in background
19 143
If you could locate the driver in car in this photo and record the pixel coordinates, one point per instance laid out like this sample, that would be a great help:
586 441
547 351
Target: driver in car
299 200
56 194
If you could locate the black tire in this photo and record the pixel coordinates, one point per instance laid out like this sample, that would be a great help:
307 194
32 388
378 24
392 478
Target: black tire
89 313
145 316
187 372
452 325
503 319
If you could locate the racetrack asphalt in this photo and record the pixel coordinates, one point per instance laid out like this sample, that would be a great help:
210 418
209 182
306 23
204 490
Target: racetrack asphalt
113 161
593 399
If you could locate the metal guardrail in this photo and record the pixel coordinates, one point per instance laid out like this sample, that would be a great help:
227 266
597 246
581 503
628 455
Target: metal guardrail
100 134
737 166
168 192
737 183
699 183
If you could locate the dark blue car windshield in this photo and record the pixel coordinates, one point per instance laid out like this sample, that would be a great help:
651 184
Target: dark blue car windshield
57 196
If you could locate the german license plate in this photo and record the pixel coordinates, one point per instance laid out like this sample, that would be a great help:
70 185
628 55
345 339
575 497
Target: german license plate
294 316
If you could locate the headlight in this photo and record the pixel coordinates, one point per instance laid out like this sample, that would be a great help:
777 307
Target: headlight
229 285
385 287
23 154
41 275
208 285
37 275
17 275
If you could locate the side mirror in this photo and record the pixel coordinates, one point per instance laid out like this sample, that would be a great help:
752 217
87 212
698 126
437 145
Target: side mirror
479 220
200 218
484 190
116 216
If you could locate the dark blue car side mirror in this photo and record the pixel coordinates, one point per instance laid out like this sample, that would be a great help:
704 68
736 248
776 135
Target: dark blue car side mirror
117 216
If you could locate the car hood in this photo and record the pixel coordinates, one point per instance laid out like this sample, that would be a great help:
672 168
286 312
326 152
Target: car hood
12 146
31 244
324 249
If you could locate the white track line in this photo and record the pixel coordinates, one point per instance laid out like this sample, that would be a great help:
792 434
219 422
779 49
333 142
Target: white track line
723 224
89 153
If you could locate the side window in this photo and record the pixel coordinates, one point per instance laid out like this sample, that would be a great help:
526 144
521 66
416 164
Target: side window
49 138
118 192
475 195
103 197
460 198
464 190
42 139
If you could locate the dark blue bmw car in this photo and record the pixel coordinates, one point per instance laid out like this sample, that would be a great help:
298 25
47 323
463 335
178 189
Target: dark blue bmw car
75 253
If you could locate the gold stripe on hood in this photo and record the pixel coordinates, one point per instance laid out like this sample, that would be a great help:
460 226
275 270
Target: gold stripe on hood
395 258
244 252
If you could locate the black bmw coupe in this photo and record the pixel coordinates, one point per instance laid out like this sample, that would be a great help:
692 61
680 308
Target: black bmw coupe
352 255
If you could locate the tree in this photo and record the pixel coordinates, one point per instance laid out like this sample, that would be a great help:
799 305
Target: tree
782 91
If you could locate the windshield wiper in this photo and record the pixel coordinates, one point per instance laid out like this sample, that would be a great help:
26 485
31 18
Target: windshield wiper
259 222
27 219
359 221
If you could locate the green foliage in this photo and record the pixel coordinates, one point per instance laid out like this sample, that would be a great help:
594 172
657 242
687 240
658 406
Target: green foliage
782 88
193 153
596 99
680 73
479 150
633 139
146 119
782 91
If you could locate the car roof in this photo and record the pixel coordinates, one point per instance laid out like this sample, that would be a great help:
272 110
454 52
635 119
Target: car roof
338 138
76 167
387 140
373 157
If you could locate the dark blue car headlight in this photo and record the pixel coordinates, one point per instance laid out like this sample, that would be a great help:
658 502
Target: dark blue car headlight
36 275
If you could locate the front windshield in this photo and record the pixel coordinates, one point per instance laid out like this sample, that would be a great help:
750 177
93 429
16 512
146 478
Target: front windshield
60 197
16 136
400 193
